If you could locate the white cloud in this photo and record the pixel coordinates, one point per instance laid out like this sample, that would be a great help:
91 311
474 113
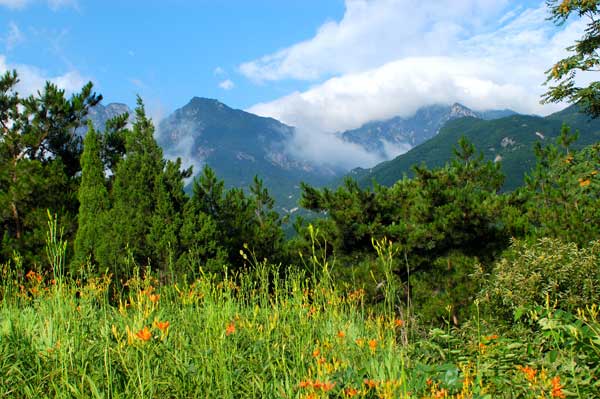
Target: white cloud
56 4
53 4
372 33
219 71
14 3
32 79
14 36
227 84
479 67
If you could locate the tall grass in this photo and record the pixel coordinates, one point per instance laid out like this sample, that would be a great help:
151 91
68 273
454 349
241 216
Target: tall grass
259 335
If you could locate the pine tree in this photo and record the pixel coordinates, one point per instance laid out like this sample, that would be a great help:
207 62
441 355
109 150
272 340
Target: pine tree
39 164
584 57
93 201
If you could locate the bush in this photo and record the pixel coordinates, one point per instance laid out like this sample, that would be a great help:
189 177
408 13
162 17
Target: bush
532 274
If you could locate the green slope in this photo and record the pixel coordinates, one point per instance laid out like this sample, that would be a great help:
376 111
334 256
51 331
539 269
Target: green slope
509 140
238 145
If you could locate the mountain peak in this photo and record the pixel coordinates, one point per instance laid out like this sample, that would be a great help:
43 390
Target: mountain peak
459 110
203 101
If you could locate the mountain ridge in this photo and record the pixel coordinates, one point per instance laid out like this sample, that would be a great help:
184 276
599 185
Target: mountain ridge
394 136
508 140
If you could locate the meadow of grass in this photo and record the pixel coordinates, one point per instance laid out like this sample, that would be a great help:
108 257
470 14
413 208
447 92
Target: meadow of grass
269 334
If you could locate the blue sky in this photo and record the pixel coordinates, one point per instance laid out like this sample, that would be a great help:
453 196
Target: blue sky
166 51
320 65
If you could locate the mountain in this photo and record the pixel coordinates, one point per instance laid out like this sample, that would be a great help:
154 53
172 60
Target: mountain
397 135
508 140
99 114
238 145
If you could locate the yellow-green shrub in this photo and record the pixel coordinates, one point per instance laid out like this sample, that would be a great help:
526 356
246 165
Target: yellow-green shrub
530 274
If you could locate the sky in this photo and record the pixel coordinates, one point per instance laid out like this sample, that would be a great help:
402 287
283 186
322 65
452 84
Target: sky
320 65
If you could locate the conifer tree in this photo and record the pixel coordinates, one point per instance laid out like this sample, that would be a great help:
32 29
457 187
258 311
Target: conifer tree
39 164
93 201
584 57
134 195
147 203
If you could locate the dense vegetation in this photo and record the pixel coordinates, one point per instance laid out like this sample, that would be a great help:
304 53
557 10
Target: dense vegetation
116 283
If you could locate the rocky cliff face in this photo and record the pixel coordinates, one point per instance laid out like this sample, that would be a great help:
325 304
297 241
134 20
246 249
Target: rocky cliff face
397 135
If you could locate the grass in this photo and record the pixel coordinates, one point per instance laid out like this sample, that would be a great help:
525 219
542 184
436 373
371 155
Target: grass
260 335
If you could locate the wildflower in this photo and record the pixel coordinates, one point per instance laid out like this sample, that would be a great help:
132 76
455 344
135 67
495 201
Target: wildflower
305 384
398 323
323 386
557 388
341 334
370 383
327 386
144 334
350 392
584 182
230 329
360 342
373 344
482 347
31 275
154 297
114 331
162 325
442 393
316 353
529 372
491 337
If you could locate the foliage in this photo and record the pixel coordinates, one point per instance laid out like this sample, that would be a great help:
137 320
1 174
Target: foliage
39 163
147 200
561 196
508 141
93 201
271 337
444 222
584 59
547 271
241 220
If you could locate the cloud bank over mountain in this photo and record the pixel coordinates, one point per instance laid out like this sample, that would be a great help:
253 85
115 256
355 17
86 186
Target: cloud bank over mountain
391 57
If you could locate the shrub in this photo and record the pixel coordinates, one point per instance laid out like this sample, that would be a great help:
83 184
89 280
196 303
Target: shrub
547 271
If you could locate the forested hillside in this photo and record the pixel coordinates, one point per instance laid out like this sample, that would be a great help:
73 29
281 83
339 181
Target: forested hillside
508 141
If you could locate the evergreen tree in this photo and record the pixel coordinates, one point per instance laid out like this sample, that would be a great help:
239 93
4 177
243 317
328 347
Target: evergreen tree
584 58
267 238
39 164
443 222
242 221
93 201
561 195
147 197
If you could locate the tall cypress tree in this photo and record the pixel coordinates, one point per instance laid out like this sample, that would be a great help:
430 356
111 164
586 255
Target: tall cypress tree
148 200
133 195
93 201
